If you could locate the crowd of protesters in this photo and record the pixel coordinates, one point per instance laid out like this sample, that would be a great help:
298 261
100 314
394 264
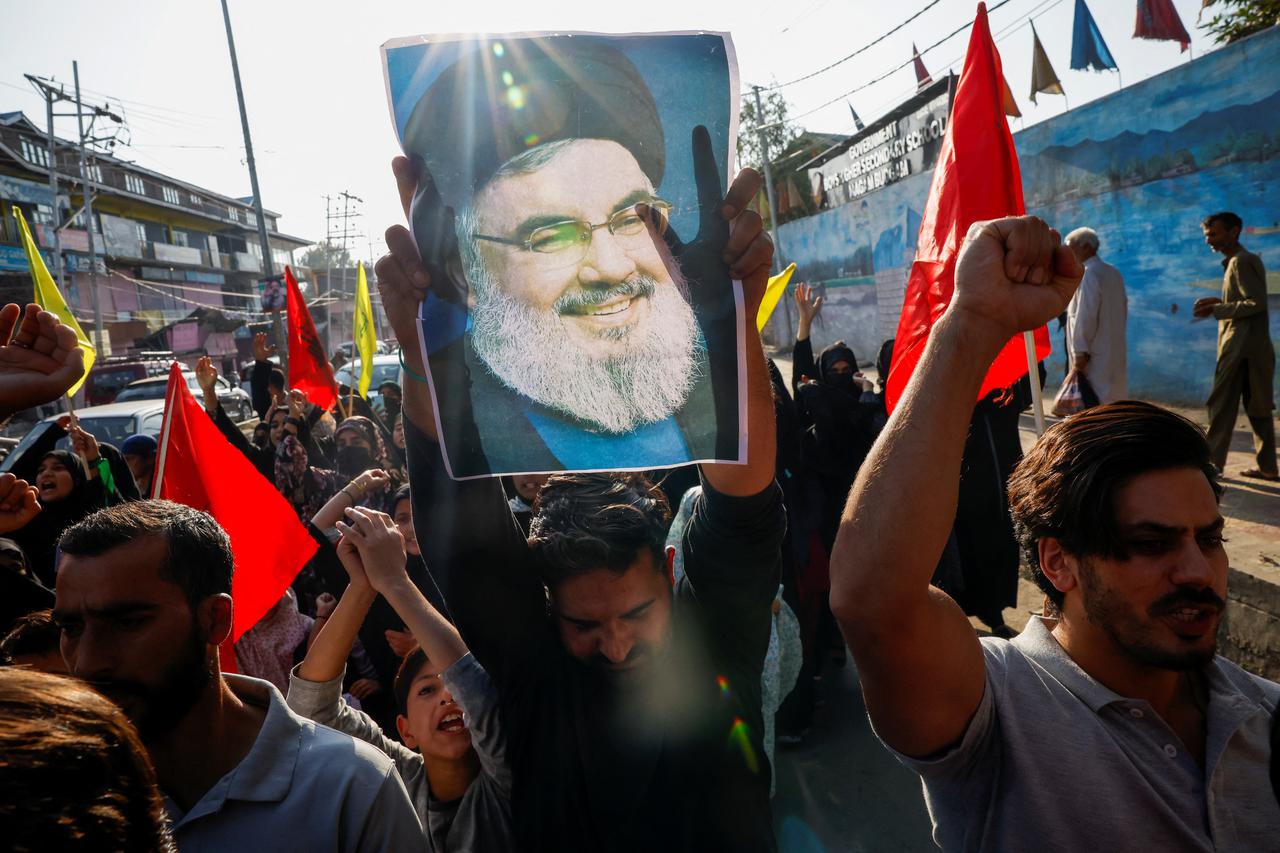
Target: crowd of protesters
601 661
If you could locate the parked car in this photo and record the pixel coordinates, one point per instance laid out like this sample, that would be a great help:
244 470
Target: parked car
109 375
235 401
386 368
348 347
112 423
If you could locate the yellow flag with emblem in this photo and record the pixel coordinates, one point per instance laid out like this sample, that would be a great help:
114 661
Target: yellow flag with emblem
366 342
48 297
772 293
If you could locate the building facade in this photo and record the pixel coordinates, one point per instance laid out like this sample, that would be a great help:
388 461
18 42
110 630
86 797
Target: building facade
178 265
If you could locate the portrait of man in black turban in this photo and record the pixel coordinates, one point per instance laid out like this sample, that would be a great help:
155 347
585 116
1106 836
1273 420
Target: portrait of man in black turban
594 336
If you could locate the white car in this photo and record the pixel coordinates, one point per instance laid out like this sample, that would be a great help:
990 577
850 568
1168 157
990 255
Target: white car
112 424
386 368
235 401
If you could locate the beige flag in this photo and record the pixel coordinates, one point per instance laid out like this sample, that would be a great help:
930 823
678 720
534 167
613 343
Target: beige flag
1043 77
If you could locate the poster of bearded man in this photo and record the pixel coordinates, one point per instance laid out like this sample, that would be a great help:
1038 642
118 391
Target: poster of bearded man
581 316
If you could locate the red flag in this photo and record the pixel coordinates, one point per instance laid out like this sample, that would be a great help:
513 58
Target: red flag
976 178
197 466
1158 19
309 370
922 74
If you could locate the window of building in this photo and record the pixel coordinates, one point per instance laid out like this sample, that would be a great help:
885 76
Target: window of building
251 219
35 153
95 172
171 195
234 213
134 184
195 199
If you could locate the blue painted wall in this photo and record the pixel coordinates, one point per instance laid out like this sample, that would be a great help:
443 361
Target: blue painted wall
1142 167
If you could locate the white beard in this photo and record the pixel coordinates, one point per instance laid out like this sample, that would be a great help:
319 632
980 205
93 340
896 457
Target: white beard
530 352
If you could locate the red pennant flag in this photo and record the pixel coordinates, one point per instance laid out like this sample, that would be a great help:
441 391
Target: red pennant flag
922 74
309 370
197 466
977 178
1159 20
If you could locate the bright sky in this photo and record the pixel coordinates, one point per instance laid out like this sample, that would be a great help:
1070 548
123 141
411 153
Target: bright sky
317 105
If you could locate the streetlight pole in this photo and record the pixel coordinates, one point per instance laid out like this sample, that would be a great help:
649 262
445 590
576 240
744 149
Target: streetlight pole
268 265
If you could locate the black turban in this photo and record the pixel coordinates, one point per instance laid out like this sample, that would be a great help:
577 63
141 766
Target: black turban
513 95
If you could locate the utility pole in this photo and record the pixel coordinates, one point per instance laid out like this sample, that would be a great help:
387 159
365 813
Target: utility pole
88 216
53 94
328 275
268 263
339 236
768 182
47 92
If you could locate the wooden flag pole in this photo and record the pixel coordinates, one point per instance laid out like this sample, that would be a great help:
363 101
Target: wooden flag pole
1033 374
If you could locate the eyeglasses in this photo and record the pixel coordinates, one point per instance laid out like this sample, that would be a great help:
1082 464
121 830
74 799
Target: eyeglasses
565 243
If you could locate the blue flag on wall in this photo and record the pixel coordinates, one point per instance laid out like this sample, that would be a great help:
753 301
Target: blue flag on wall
1088 48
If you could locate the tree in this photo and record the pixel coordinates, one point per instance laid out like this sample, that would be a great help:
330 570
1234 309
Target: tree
1240 18
325 256
778 130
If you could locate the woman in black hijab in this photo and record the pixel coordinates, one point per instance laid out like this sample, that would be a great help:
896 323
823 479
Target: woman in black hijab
67 495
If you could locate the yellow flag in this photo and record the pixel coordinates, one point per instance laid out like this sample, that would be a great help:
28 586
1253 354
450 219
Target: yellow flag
366 343
48 297
772 293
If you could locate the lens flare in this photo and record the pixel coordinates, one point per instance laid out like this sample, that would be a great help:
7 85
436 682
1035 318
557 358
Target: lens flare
740 735
723 683
532 140
507 78
498 49
515 97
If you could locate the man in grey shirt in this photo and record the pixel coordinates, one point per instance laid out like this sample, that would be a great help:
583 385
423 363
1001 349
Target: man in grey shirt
1113 725
143 601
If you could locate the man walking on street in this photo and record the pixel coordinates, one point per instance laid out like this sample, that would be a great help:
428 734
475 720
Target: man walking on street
1096 321
1246 357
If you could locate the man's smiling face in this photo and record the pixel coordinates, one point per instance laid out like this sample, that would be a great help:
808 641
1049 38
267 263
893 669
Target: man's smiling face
588 180
600 330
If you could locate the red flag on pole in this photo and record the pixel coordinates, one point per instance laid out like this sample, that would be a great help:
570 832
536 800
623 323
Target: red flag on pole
197 466
309 369
1159 20
977 178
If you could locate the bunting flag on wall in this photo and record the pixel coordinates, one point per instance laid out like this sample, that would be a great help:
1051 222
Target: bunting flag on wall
922 74
1088 48
857 122
1158 20
1010 105
1043 77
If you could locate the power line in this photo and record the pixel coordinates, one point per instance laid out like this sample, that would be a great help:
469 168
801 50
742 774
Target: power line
884 76
999 36
860 50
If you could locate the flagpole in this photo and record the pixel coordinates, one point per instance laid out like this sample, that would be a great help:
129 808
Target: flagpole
1033 375
165 426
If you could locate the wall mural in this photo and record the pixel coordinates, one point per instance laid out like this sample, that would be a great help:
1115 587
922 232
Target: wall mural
1142 167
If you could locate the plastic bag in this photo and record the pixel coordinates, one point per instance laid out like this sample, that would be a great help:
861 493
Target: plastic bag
1075 395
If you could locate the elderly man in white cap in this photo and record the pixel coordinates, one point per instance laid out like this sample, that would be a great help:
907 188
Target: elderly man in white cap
1096 321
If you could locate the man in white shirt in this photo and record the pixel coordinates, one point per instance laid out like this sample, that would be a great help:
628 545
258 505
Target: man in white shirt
143 601
1096 321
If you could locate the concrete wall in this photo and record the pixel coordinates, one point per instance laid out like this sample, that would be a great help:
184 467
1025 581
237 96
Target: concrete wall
1142 167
